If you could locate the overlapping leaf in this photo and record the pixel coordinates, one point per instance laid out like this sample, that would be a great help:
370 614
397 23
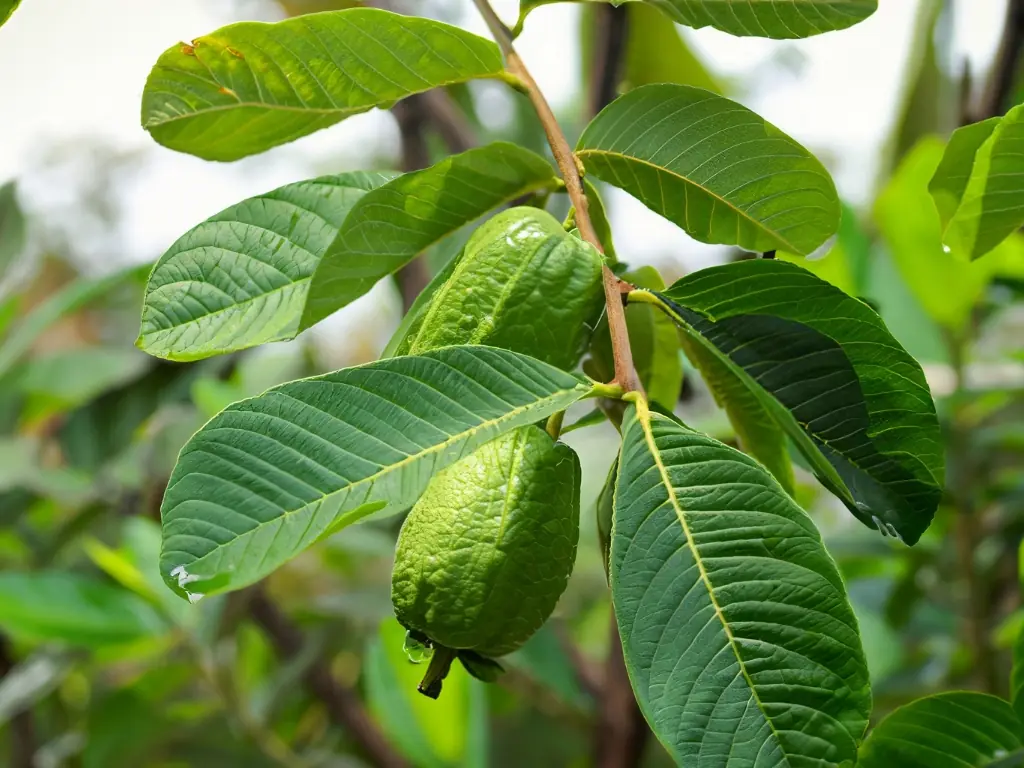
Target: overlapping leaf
979 186
240 278
388 227
778 19
949 730
251 86
737 633
832 376
713 167
269 476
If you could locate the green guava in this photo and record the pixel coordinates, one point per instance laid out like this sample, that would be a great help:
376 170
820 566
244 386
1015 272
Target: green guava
522 283
485 554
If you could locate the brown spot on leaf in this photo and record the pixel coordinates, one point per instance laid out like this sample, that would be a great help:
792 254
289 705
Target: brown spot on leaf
228 92
235 52
188 50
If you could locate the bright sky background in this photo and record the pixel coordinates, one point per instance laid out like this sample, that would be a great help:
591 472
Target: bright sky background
74 71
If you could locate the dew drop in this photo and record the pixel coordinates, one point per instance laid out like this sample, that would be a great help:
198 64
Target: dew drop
416 649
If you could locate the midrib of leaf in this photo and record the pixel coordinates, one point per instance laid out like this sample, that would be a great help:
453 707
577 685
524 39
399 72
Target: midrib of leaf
368 482
643 414
775 235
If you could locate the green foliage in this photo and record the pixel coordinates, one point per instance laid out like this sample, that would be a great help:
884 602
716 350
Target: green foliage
736 629
240 278
388 228
826 368
506 515
977 187
12 224
8 7
713 167
946 731
313 456
228 94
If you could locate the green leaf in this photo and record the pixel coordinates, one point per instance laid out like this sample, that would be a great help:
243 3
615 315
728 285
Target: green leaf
388 227
949 183
47 606
737 633
947 286
657 53
824 365
758 432
251 86
599 218
410 325
981 182
784 20
445 733
12 221
654 341
7 7
271 475
60 381
713 167
1017 676
546 662
68 300
949 730
240 278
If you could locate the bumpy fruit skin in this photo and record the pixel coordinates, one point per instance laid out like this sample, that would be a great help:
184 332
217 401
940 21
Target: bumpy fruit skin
487 551
523 283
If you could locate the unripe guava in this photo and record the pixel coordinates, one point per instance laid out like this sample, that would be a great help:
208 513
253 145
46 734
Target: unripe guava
522 283
486 553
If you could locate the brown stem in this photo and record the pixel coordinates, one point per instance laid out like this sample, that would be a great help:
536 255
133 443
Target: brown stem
1007 63
410 115
621 731
610 37
342 703
625 371
23 732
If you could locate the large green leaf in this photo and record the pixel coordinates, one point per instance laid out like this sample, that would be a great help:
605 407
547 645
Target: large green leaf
738 636
251 86
950 730
269 476
7 7
48 606
388 227
778 19
713 167
241 277
947 286
824 365
979 186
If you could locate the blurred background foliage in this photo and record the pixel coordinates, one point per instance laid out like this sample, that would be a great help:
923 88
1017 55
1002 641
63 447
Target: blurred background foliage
102 667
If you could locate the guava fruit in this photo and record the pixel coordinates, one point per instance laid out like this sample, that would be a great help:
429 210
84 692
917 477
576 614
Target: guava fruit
487 551
522 283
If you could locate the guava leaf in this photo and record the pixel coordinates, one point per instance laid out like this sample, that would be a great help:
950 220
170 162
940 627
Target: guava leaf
388 227
241 277
248 87
713 167
854 402
737 633
983 188
948 730
7 7
269 476
777 19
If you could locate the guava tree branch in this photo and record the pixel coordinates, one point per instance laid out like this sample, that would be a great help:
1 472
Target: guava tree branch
625 371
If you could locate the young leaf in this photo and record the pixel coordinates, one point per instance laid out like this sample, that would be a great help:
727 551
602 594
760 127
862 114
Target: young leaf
7 7
251 86
271 475
949 730
736 630
753 18
713 167
824 365
388 227
240 278
980 175
53 606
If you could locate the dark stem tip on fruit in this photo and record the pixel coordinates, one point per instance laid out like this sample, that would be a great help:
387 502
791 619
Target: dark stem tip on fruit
440 664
